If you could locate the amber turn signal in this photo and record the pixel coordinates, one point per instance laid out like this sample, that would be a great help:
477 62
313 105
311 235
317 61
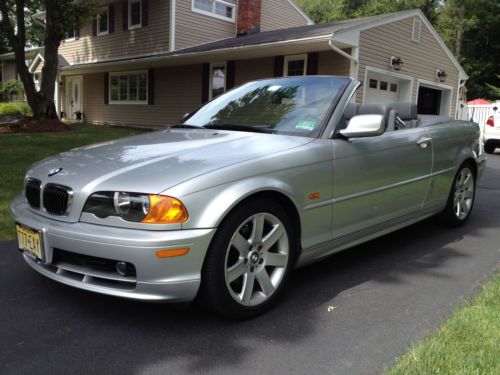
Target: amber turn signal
172 253
314 195
165 210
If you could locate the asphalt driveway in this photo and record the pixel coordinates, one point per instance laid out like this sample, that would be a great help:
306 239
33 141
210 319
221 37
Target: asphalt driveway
351 314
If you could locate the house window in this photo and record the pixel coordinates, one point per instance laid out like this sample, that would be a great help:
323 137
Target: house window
383 85
128 87
70 35
217 80
373 83
415 32
295 65
394 87
134 14
215 8
103 22
37 80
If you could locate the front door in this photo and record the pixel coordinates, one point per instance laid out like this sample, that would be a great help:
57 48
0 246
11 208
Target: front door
380 180
74 98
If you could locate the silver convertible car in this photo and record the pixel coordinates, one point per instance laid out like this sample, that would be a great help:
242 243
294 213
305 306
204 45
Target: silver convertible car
273 175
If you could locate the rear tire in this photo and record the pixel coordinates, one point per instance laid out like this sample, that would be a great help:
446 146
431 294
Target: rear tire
489 148
249 260
461 198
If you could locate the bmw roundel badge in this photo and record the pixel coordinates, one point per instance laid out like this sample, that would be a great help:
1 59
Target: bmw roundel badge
54 171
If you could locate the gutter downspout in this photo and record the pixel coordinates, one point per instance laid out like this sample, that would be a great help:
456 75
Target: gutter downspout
172 25
353 57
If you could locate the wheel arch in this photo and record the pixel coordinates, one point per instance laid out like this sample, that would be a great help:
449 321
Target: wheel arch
284 201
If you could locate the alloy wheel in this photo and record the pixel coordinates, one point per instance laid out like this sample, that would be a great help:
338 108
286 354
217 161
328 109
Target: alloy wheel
256 259
464 193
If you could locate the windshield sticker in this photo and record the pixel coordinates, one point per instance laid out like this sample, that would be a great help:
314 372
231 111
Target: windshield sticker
306 125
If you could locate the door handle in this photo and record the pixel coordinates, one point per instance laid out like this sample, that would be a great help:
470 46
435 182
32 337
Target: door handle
424 142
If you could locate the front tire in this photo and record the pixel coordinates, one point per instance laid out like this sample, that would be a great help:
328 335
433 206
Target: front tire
249 260
461 198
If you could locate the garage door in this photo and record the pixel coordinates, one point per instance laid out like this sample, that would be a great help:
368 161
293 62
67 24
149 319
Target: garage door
382 88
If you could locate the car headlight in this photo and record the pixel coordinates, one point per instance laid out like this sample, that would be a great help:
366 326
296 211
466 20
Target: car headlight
136 207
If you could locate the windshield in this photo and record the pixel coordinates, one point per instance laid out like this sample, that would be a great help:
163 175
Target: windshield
294 106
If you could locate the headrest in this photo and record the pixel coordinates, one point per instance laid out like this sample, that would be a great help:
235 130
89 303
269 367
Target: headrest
351 110
374 109
406 111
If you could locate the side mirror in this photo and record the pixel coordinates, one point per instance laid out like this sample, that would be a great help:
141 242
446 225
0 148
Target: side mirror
364 126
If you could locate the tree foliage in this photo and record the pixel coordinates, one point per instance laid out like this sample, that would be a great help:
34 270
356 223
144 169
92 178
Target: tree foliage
19 26
10 89
468 27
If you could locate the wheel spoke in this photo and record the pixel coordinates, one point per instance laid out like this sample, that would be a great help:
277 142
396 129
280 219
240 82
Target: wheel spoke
236 271
462 177
265 282
467 180
272 237
241 244
458 209
248 288
276 259
468 194
258 229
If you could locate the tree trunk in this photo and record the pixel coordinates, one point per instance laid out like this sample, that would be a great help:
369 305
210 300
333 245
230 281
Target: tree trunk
43 108
42 102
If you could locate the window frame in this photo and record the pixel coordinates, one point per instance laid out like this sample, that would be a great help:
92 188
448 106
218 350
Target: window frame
210 77
139 25
71 39
129 102
215 15
289 58
99 32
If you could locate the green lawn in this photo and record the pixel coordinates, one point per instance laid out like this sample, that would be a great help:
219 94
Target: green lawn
19 151
467 344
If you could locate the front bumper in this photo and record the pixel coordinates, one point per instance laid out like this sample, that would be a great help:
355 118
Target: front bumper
171 279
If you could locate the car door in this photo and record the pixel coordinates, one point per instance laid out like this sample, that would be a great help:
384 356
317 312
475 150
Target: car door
380 180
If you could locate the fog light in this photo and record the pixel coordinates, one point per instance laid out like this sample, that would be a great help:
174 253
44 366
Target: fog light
122 268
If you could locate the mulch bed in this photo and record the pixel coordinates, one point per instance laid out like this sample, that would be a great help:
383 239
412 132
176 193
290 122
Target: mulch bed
30 125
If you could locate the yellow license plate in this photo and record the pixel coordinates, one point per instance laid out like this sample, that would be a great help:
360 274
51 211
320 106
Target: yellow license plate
30 241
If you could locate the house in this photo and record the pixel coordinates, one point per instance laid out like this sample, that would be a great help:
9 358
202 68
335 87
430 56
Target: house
148 62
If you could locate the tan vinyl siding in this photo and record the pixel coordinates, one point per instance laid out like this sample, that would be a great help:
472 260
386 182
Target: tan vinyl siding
420 60
177 91
39 67
249 70
9 70
280 14
331 63
193 28
149 39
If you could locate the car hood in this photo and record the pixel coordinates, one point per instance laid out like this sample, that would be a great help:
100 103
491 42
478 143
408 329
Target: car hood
154 162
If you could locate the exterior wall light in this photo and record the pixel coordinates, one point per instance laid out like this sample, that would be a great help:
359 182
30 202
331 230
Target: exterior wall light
396 62
441 75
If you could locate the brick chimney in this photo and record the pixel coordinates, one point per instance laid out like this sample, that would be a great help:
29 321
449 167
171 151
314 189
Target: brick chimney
248 17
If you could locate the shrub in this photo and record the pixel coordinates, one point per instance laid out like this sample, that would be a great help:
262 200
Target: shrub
14 109
9 89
